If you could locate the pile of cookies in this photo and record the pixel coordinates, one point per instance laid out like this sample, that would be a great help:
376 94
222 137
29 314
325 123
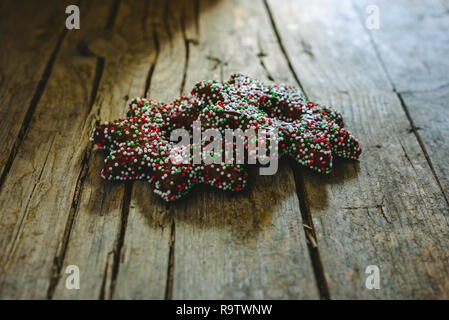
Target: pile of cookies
140 147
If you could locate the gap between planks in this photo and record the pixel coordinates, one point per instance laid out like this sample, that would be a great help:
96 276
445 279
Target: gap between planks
171 251
319 274
308 224
32 106
404 106
309 229
419 151
128 189
59 258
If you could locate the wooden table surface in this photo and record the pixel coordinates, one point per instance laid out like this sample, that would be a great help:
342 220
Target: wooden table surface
295 235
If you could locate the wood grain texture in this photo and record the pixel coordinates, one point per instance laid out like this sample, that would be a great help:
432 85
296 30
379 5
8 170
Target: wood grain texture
29 38
249 245
386 210
40 190
144 267
430 114
295 235
413 50
96 240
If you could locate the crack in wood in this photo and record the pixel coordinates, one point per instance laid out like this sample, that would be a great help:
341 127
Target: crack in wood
16 237
260 55
196 7
59 258
113 14
406 156
404 106
145 17
118 248
171 262
307 48
187 53
32 107
264 67
421 144
217 63
105 277
167 18
282 47
153 63
309 231
172 241
382 211
380 207
121 238
310 234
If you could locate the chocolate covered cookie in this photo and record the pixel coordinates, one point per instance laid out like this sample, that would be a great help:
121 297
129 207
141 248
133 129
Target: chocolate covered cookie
280 119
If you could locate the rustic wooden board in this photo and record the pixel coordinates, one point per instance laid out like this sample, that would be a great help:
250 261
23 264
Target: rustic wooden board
430 114
38 198
31 35
96 240
146 248
414 51
387 210
121 235
293 235
249 245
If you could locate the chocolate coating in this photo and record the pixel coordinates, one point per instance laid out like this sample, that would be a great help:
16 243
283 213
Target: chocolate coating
140 148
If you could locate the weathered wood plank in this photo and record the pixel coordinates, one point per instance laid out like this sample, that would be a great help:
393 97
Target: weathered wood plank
248 245
143 269
39 193
31 33
129 53
414 51
146 258
386 210
430 114
412 42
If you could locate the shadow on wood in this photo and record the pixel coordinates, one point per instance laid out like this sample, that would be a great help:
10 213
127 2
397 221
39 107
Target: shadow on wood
245 213
343 170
